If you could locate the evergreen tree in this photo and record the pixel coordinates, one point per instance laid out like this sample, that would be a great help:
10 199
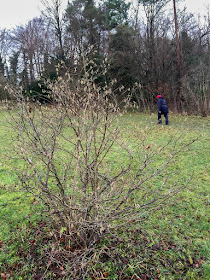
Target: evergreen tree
13 60
116 13
122 59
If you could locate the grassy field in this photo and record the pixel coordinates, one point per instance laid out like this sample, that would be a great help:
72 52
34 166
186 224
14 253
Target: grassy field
172 243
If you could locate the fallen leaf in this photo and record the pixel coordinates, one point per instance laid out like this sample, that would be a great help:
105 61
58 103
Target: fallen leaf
105 274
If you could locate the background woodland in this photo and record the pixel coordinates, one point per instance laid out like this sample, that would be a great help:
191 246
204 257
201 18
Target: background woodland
147 48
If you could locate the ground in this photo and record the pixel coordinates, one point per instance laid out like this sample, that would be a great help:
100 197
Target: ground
171 243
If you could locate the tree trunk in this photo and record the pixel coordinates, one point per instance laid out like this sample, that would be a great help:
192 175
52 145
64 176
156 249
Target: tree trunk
178 90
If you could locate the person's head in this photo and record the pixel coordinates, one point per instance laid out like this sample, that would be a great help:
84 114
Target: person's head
158 96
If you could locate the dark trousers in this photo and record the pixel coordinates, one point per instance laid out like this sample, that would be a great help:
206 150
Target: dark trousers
165 115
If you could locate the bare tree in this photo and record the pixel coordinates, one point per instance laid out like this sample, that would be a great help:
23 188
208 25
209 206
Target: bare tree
152 10
4 44
178 94
53 13
26 43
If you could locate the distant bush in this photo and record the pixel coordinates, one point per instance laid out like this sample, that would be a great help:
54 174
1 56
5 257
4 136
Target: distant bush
38 91
4 94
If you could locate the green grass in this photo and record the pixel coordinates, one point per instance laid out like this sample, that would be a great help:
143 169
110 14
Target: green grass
171 243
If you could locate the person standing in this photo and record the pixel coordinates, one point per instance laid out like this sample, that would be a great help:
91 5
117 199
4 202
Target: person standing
162 109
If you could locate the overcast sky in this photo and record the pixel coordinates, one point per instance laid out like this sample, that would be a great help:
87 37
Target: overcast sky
16 12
